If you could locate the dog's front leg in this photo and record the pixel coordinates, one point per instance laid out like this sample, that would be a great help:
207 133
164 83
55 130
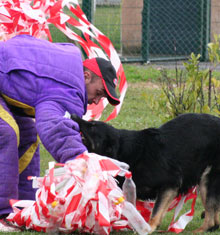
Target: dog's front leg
162 203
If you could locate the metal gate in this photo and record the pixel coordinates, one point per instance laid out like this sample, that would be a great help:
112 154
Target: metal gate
151 30
175 28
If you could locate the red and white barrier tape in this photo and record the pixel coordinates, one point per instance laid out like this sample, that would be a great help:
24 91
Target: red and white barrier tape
82 195
176 225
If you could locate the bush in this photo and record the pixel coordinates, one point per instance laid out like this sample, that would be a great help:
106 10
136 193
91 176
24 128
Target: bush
191 89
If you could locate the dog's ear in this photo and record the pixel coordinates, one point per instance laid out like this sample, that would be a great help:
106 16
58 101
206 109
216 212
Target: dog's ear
75 118
82 123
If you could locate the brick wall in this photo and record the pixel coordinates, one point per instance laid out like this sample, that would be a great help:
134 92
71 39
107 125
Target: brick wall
215 17
131 19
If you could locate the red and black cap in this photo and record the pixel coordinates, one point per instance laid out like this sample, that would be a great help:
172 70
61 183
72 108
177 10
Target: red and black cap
105 70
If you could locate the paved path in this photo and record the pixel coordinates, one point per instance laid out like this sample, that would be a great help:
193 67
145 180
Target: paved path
172 65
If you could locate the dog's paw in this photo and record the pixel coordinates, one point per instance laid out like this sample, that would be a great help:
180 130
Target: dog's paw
202 230
153 226
215 227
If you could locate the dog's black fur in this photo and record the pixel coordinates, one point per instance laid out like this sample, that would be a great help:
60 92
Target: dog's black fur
166 161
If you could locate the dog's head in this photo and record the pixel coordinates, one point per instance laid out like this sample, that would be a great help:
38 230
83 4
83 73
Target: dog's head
98 137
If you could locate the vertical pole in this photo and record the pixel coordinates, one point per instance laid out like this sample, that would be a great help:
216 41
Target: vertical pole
87 9
145 30
206 21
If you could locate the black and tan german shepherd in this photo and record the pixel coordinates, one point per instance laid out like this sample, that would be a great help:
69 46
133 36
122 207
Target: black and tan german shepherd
166 161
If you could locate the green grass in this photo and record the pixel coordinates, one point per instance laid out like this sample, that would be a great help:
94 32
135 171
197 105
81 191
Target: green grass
140 73
135 114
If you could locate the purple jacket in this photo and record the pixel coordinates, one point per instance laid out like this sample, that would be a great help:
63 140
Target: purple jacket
45 80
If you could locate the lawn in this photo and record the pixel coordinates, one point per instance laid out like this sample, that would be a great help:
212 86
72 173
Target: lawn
135 114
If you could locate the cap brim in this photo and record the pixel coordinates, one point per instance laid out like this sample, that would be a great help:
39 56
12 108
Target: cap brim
112 96
113 101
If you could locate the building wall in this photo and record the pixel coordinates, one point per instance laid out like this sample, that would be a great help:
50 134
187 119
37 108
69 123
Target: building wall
215 17
131 24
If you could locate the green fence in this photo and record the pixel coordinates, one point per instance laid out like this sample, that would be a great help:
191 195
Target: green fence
151 30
